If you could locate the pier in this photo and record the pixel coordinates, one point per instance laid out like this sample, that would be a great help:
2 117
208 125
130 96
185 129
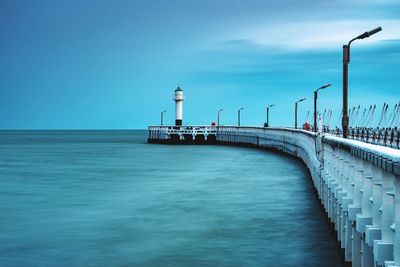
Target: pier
182 135
358 183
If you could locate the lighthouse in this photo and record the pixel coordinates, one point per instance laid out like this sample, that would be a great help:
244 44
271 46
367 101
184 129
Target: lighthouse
178 106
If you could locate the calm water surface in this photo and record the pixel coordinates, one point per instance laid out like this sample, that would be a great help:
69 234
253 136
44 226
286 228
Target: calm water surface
76 198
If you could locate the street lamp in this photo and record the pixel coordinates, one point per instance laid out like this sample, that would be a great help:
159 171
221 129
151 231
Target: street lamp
239 116
315 104
270 106
346 61
162 117
218 115
295 111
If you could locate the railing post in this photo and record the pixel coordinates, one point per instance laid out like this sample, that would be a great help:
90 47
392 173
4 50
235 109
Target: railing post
397 220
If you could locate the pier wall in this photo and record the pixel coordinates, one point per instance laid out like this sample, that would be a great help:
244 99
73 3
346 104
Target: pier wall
358 185
182 134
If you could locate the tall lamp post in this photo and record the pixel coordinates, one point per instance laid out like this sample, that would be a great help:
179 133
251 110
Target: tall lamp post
162 117
315 104
239 116
270 106
295 111
219 111
346 61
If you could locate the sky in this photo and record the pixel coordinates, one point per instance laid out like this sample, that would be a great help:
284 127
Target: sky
97 64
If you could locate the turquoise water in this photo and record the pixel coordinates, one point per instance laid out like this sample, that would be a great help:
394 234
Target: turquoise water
106 198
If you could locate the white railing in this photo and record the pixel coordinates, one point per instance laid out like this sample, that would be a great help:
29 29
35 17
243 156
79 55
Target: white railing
358 184
165 132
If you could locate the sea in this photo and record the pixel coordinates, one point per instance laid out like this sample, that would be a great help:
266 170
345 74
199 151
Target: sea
107 198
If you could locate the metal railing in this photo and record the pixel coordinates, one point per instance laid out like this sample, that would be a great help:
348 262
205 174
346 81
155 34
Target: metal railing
389 137
378 136
165 132
185 129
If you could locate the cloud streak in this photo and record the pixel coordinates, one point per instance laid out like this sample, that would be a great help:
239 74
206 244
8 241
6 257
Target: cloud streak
323 34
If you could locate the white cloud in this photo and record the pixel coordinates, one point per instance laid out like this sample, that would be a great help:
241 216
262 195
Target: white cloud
319 34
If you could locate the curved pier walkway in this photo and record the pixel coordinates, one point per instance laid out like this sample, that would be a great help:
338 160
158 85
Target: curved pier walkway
358 184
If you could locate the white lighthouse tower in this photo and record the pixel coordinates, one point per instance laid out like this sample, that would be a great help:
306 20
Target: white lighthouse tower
178 106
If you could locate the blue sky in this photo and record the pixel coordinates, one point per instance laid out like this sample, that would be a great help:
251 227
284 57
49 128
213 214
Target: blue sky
95 64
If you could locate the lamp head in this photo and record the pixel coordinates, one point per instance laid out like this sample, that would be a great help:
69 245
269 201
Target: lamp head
325 86
368 34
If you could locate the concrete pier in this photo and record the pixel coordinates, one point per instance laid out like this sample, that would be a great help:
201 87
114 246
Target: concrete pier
358 183
182 134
